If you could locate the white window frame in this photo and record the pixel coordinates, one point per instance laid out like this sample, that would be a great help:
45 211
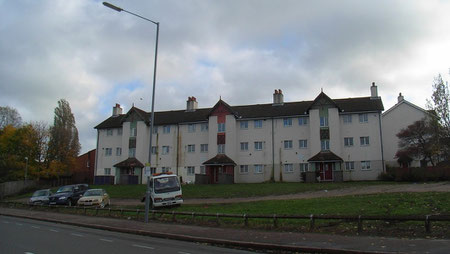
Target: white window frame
119 131
191 148
154 149
243 125
203 170
287 122
349 165
324 121
221 127
303 167
258 124
288 168
166 129
204 127
347 119
348 141
190 171
364 118
118 151
365 165
364 141
109 132
325 144
203 148
108 152
132 152
258 168
303 143
107 171
191 127
244 146
259 146
133 132
165 169
287 144
303 120
221 148
165 150
243 169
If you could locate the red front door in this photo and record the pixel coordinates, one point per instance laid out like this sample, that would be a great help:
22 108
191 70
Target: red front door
326 171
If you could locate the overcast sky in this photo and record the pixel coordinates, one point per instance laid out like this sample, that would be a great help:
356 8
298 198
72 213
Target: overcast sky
239 50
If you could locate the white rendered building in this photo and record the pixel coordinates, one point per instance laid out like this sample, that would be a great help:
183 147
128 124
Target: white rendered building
399 117
341 139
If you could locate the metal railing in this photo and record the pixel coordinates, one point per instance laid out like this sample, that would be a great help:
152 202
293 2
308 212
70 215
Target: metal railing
135 214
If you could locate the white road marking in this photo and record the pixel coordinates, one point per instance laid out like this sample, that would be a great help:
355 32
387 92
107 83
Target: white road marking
26 252
77 235
53 230
182 252
35 227
106 240
142 246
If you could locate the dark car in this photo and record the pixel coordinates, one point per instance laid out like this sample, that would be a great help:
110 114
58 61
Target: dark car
40 197
68 195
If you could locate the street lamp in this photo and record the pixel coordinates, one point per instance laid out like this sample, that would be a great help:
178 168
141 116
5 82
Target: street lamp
147 194
26 168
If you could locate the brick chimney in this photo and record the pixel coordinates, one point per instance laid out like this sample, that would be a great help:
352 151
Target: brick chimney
373 91
400 98
278 98
191 104
117 110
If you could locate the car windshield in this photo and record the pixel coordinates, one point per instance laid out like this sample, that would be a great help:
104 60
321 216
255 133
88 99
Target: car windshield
40 193
65 189
93 193
166 184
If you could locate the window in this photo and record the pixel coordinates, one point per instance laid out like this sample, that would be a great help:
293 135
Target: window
347 119
258 145
118 151
155 130
191 148
109 132
204 148
221 148
133 132
154 149
303 167
221 127
152 171
303 121
204 127
203 170
323 121
165 150
191 127
349 165
108 151
107 171
287 122
243 169
132 153
166 129
303 143
325 144
165 169
363 118
288 144
258 169
257 124
244 146
365 165
244 125
119 132
190 171
288 168
348 141
364 141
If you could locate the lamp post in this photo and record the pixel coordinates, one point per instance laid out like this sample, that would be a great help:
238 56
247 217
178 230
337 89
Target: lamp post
147 193
26 168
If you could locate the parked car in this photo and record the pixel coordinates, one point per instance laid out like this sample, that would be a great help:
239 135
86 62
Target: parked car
68 195
95 197
40 197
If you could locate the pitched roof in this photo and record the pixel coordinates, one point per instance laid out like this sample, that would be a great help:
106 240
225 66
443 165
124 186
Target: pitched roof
349 105
130 163
220 159
325 156
427 112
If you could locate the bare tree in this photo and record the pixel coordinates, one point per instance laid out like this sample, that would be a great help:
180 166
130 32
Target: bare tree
9 116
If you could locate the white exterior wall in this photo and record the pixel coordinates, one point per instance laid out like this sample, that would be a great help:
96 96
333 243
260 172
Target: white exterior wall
191 159
391 126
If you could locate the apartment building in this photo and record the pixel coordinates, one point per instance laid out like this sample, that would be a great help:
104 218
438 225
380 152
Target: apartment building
341 139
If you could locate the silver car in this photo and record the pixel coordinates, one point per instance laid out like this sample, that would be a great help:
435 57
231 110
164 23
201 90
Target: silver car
40 197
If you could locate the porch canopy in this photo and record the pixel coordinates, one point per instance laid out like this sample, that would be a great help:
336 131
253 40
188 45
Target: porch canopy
219 160
129 163
325 156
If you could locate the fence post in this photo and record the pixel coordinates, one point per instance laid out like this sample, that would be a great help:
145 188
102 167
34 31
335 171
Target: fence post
193 214
275 224
174 219
427 224
245 220
359 224
311 222
109 212
137 214
217 218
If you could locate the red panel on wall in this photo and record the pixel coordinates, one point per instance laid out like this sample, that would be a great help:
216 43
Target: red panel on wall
221 111
220 138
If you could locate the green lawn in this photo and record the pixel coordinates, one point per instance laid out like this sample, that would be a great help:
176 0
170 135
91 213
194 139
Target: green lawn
376 204
235 190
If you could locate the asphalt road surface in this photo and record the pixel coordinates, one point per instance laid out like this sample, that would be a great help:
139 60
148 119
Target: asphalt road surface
35 237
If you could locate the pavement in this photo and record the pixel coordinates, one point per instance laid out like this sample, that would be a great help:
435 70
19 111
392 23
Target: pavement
266 241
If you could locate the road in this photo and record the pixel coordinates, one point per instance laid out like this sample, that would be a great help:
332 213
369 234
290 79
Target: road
34 237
